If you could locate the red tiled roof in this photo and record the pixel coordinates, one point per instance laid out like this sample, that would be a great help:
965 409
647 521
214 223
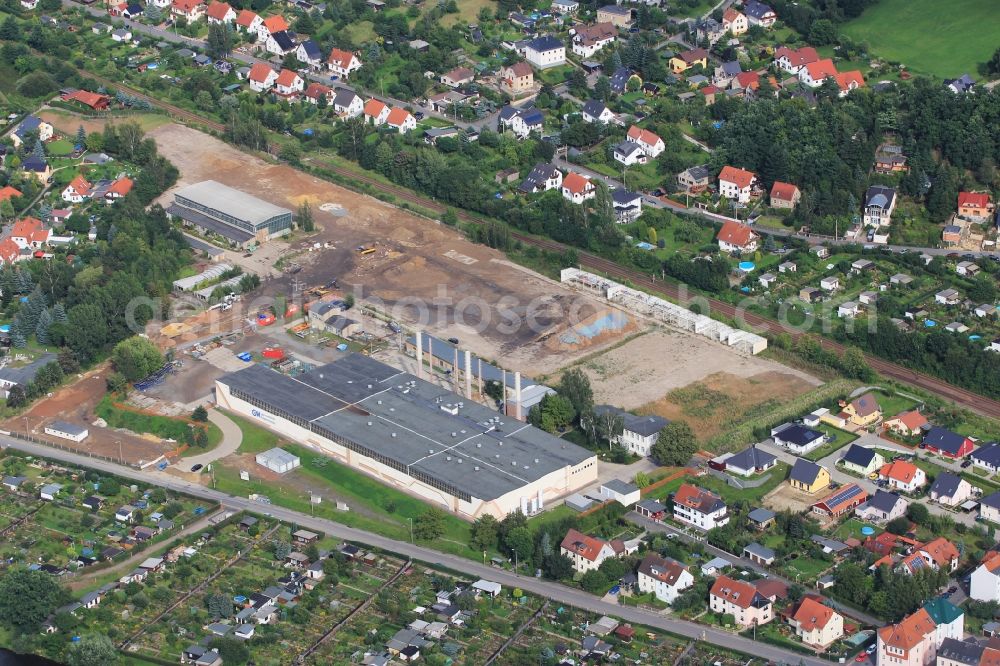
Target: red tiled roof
275 23
260 72
644 136
186 6
821 69
849 80
741 177
899 470
26 227
576 183
218 10
912 419
80 184
586 546
93 100
286 78
9 251
662 569
748 80
973 199
697 498
735 233
340 58
730 15
797 57
812 615
942 551
317 90
122 186
374 108
246 18
783 191
8 192
708 90
737 592
397 117
590 34
992 561
909 633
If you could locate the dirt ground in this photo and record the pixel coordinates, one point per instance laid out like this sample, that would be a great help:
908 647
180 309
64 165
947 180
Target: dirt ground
75 404
785 497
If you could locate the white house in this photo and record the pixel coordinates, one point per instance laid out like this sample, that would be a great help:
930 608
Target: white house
122 35
376 112
401 120
342 63
590 39
984 585
578 188
348 104
261 77
522 122
65 430
699 508
77 191
280 43
587 552
288 83
220 13
750 461
737 238
664 578
49 491
629 153
544 52
880 202
597 112
830 283
737 184
849 309
650 143
989 508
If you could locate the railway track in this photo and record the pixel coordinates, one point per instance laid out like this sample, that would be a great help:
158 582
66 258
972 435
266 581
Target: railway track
958 395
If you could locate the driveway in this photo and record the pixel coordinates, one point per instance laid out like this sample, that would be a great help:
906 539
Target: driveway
232 437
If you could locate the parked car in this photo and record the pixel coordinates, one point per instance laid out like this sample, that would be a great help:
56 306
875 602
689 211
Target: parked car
966 464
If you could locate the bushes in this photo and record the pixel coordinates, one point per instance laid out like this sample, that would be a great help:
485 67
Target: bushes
168 428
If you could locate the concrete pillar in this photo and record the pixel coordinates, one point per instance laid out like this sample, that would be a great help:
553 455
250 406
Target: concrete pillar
480 375
420 355
454 373
468 374
517 395
504 392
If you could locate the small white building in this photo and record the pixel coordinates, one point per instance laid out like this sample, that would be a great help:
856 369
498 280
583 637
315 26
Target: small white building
49 491
624 493
278 460
831 283
66 430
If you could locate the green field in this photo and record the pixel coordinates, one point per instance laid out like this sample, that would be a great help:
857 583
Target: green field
944 39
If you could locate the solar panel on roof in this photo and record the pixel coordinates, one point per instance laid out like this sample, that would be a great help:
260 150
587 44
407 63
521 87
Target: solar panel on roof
844 495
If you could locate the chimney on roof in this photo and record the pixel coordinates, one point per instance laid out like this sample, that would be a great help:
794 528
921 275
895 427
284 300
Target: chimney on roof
420 354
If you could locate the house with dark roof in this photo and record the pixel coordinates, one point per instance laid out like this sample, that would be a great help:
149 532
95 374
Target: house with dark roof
750 461
987 457
950 489
761 518
882 507
809 477
699 508
620 78
542 178
639 433
798 439
961 85
627 205
862 460
989 508
759 554
595 111
944 442
663 577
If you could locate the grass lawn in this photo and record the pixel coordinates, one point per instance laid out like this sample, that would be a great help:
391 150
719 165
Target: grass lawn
944 39
724 490
805 568
468 11
852 528
255 438
841 438
894 404
59 148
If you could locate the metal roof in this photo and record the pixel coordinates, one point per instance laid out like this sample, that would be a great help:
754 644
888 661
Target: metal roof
233 202
70 428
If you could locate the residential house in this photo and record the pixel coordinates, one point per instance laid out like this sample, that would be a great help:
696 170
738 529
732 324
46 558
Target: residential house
270 26
590 39
725 73
261 77
688 59
342 63
401 120
848 81
975 206
542 178
621 78
759 14
944 442
737 238
639 433
650 143
907 424
618 15
522 122
903 475
376 112
797 438
987 457
750 461
192 10
989 507
565 6
815 73
808 476
348 104
841 501
545 52
517 78
882 507
7 192
699 508
281 43
890 159
950 489
737 184
939 554
710 30
37 167
741 600
309 53
596 112
578 188
794 61
784 195
694 179
815 624
984 584
880 202
220 13
30 232
288 84
458 77
759 554
862 460
77 191
629 153
627 205
862 411
248 21
735 22
961 85
317 91
666 579
911 642
587 552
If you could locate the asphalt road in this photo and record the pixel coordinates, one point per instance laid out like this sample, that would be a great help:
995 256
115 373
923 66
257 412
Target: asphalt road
550 590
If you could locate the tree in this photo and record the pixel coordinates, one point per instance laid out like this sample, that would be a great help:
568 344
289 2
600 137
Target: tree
220 40
27 598
853 363
558 566
613 568
92 650
992 66
219 605
136 357
575 387
199 414
232 650
899 525
520 541
81 136
552 413
595 582
641 480
918 513
429 525
282 549
484 532
305 217
675 444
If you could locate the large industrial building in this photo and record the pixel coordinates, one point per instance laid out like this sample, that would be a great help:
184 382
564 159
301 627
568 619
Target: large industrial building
241 219
413 435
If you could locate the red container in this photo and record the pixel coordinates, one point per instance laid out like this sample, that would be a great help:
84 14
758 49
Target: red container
265 319
273 352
